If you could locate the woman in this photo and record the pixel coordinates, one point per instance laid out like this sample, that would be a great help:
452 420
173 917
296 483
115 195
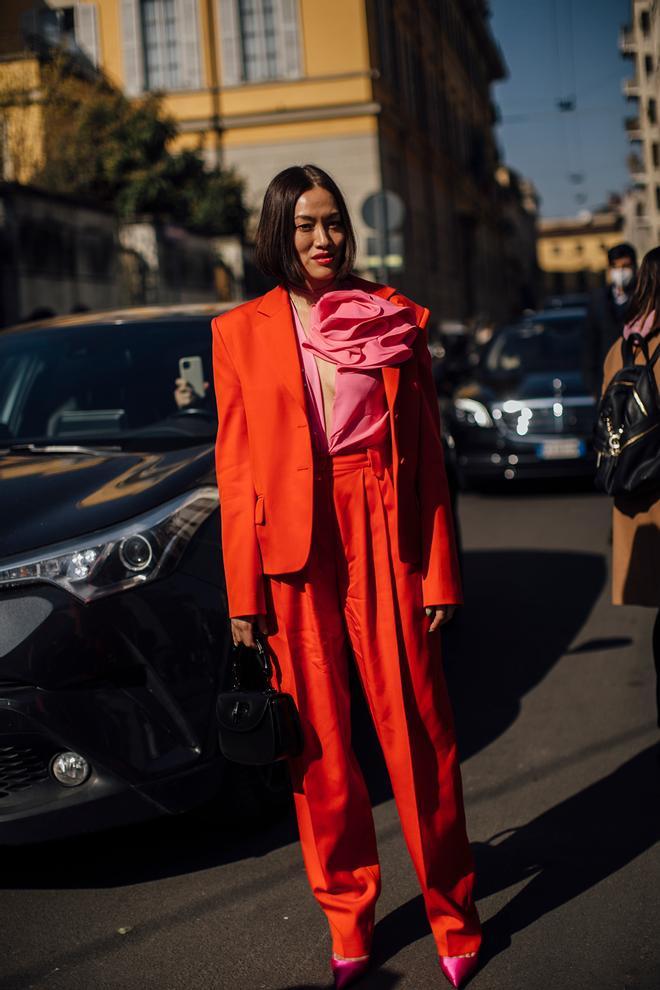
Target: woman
337 529
636 519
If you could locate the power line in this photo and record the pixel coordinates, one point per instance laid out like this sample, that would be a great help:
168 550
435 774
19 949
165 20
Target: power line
521 118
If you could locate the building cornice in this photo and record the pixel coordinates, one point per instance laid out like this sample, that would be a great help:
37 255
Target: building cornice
267 84
268 118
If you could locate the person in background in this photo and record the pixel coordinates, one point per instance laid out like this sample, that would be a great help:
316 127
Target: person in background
636 518
608 312
185 396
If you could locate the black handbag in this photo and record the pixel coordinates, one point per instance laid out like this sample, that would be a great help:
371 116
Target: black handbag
627 429
259 725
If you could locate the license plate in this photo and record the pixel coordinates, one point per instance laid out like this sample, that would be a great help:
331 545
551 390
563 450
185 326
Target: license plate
563 449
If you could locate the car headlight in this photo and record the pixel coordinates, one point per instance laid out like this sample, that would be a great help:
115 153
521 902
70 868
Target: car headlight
122 557
472 412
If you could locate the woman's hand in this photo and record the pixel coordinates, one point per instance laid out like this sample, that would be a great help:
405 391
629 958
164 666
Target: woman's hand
185 395
243 629
440 614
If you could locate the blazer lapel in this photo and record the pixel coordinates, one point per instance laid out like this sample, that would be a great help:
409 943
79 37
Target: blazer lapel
278 338
391 379
392 374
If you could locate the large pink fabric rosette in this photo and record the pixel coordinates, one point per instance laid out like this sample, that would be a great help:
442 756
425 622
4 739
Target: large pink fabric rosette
357 330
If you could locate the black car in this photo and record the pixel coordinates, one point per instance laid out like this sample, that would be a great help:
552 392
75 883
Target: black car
527 413
114 635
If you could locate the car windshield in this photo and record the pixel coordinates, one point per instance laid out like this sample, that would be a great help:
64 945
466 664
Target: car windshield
80 383
552 344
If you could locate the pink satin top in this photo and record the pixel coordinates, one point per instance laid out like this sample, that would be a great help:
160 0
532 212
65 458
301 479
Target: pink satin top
642 327
361 334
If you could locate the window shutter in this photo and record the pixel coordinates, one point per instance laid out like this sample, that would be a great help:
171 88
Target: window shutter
288 41
131 39
230 43
84 26
187 23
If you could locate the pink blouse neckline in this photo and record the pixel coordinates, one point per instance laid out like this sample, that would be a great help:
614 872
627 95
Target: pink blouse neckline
361 334
313 388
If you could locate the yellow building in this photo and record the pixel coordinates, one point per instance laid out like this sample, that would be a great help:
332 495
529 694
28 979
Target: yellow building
572 251
21 119
390 94
258 84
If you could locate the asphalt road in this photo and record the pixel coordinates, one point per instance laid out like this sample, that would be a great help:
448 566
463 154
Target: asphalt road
553 693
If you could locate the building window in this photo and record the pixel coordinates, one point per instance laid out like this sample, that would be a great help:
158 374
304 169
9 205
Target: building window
79 23
653 111
657 197
65 18
648 65
645 22
160 45
260 40
159 41
655 154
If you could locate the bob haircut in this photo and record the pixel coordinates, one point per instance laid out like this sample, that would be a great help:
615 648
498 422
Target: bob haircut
275 251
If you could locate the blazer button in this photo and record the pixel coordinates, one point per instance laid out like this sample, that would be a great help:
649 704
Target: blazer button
396 415
402 460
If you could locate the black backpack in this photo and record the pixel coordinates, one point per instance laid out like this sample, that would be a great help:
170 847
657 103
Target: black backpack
627 429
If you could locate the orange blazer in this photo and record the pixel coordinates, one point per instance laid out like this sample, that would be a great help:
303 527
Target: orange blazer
264 459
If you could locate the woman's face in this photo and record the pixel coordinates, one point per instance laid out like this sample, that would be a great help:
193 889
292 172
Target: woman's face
319 236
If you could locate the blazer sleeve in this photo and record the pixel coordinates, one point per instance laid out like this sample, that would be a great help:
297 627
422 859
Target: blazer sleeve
242 560
441 579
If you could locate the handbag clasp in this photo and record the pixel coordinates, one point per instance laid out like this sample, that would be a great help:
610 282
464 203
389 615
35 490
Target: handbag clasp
240 709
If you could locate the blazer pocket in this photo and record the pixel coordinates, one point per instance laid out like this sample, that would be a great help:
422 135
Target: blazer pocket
259 515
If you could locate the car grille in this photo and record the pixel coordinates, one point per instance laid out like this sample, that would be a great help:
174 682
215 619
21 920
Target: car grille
576 421
21 767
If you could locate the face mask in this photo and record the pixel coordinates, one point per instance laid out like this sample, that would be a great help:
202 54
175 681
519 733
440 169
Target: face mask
621 277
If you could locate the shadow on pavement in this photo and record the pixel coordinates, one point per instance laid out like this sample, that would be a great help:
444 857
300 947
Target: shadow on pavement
524 609
526 487
571 847
375 979
598 645
562 853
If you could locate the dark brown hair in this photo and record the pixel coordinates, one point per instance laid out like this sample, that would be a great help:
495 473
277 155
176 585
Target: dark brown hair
275 251
646 296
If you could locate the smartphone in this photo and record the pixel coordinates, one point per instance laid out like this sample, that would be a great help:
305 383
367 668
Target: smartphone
192 369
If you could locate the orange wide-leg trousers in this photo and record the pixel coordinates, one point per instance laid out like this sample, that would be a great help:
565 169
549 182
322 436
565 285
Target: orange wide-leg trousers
354 584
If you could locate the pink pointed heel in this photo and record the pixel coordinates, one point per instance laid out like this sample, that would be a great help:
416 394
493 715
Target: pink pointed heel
458 969
346 972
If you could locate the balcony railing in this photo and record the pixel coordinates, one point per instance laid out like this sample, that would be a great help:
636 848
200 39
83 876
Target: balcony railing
627 44
633 129
637 169
631 89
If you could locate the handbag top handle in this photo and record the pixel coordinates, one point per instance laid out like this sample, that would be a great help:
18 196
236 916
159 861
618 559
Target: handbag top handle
264 663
